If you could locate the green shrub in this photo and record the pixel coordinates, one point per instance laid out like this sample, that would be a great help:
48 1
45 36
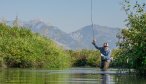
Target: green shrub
133 42
20 47
85 57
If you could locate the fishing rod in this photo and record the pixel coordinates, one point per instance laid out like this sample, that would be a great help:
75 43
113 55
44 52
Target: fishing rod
92 19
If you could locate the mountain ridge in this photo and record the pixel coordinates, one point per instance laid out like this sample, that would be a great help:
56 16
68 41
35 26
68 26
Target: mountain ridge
79 39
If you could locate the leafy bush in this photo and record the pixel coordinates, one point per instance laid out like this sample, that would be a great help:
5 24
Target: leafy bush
132 43
84 57
20 47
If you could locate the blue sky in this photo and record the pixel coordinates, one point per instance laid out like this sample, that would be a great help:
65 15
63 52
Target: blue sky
68 15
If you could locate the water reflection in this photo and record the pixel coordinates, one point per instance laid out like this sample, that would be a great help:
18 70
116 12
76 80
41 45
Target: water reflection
69 76
105 79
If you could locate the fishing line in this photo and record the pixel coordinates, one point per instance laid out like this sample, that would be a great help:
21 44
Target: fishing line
92 19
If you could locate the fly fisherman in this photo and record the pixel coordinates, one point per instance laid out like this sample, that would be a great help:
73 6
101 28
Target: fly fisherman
105 55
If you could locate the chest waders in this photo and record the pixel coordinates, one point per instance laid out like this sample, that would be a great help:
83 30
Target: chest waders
104 65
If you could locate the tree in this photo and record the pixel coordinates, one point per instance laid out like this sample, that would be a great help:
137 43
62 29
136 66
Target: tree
16 22
133 41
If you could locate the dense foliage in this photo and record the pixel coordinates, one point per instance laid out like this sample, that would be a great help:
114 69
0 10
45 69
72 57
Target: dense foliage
132 40
85 57
19 47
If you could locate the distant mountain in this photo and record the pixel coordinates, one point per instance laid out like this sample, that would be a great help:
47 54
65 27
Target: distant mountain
52 32
101 33
80 39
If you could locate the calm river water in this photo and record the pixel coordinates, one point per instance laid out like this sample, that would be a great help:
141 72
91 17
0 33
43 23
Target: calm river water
67 76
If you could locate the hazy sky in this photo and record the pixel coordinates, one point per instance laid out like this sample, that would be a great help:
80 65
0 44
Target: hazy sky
68 15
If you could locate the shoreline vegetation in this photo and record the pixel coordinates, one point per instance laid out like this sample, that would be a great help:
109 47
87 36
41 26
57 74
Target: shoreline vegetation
21 48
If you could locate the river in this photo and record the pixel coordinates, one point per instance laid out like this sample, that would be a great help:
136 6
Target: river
67 76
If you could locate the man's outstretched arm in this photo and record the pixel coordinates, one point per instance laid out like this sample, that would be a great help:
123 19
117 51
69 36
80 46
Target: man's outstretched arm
95 45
